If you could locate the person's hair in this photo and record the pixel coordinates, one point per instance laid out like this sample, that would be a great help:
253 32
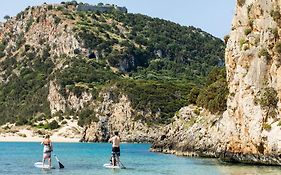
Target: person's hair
116 133
47 136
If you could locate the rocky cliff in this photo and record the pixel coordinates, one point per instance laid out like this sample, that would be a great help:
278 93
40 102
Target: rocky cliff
117 114
253 68
249 131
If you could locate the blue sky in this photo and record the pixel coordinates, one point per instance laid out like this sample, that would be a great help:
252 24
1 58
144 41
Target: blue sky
212 16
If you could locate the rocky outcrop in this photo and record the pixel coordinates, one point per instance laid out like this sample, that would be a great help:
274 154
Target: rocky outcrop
195 132
59 103
253 66
116 114
39 26
249 131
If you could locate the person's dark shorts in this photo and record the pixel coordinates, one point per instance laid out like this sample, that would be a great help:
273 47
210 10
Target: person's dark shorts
116 151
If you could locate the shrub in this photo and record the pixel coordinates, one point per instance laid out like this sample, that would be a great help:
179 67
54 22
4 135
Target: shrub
61 118
49 7
86 116
77 51
196 111
247 31
60 8
53 125
7 17
192 96
269 98
251 24
242 42
249 8
275 33
2 46
241 2
266 126
21 121
57 20
2 54
278 47
22 135
226 38
264 52
28 24
275 14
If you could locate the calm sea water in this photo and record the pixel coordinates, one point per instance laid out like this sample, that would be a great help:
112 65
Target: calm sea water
88 159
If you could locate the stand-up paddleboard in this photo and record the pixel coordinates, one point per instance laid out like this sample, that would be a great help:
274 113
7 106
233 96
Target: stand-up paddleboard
40 165
109 165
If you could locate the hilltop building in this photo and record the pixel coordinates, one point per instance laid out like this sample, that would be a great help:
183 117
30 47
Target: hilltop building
101 8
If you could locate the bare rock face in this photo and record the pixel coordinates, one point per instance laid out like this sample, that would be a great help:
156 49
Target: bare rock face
253 68
59 103
195 132
250 130
116 114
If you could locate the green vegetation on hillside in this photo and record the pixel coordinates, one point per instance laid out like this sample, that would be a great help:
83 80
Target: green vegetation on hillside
146 46
213 94
161 66
25 95
155 96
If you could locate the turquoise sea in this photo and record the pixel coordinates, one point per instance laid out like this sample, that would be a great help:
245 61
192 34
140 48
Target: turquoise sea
88 159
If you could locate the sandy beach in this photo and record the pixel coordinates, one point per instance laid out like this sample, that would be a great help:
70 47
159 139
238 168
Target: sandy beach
14 138
67 133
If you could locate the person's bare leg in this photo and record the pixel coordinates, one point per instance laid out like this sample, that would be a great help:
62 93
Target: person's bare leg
118 161
113 160
49 160
43 161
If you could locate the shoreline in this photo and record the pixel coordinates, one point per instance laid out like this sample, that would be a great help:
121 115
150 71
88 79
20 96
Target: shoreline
37 139
70 133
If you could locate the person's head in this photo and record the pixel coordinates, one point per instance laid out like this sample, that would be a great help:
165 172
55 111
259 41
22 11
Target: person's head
116 133
47 136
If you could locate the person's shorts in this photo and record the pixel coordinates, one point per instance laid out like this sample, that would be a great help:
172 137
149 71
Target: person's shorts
116 151
47 155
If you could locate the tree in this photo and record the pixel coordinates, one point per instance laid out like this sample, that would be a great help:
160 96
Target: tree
7 17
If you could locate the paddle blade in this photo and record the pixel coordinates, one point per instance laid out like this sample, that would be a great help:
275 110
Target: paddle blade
61 165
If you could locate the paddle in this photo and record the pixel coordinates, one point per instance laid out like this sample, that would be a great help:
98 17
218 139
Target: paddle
60 164
123 167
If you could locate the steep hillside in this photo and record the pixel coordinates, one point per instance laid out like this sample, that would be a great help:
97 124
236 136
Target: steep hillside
60 61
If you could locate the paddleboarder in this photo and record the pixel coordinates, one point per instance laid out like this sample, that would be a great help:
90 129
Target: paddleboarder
115 148
47 150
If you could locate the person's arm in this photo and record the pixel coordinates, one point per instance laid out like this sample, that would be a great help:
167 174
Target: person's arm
51 146
110 139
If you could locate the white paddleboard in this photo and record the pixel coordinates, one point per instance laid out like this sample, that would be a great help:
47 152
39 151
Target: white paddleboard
40 165
108 165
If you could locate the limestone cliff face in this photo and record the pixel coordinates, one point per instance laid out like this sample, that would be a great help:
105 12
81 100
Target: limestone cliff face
59 103
196 132
116 114
253 68
112 112
249 131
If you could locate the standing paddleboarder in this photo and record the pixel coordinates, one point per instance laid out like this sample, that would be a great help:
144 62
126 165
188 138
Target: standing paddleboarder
48 148
115 148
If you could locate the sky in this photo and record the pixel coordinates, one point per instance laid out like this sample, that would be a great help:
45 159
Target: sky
212 16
